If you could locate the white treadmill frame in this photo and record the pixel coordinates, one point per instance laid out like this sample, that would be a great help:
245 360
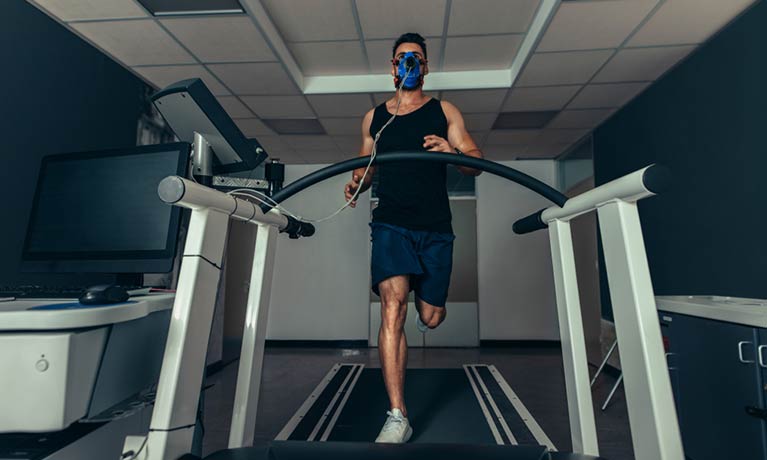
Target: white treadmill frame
655 431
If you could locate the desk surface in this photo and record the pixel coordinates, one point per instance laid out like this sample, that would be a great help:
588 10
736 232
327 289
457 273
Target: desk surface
22 315
749 312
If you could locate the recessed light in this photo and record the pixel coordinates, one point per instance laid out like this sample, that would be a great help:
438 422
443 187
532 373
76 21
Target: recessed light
191 7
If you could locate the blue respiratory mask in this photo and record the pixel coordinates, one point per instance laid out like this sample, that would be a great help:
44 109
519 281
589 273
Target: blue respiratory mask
409 62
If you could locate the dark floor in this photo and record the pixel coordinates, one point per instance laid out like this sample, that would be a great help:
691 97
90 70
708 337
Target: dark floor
535 374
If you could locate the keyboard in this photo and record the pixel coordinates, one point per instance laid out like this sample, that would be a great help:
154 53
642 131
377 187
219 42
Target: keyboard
47 292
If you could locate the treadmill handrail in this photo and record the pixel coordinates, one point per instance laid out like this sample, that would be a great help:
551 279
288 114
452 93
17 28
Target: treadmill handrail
492 167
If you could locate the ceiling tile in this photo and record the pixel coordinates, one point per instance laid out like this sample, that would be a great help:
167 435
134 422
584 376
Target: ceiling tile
330 58
592 25
274 144
641 64
562 68
279 106
560 136
392 18
294 125
589 118
483 100
545 151
162 76
479 121
255 78
497 52
138 42
380 54
288 157
71 10
301 143
504 152
234 107
512 136
606 95
309 20
253 127
340 105
348 146
343 126
221 38
687 21
325 157
534 99
479 17
524 120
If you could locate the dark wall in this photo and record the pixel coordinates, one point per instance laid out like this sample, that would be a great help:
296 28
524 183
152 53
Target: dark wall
707 121
59 94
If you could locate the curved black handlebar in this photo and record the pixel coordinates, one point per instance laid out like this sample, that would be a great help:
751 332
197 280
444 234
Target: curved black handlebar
530 223
497 169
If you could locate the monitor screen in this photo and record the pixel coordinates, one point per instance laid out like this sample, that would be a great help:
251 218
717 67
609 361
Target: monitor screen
100 212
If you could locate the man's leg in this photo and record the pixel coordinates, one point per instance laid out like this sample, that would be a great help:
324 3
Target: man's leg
392 344
431 315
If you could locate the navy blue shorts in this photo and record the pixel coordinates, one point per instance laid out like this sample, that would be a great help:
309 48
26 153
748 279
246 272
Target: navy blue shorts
426 256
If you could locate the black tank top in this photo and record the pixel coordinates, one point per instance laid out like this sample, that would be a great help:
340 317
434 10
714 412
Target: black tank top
412 195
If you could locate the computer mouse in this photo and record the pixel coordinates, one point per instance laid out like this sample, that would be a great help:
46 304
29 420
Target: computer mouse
104 294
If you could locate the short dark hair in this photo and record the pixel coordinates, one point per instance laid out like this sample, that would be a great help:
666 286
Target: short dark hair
410 37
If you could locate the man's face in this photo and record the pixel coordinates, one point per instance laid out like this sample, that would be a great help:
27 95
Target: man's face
415 49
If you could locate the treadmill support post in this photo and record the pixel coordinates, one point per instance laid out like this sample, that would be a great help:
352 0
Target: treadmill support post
243 426
178 391
583 430
652 414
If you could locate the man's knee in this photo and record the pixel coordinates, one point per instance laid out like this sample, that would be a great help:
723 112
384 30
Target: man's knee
437 316
393 308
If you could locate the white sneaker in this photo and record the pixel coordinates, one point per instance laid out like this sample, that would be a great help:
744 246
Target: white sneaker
396 430
419 324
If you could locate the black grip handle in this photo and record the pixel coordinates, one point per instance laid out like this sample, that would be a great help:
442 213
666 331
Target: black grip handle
529 224
296 229
657 179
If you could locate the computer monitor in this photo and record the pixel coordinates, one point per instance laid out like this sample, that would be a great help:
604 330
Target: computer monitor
99 212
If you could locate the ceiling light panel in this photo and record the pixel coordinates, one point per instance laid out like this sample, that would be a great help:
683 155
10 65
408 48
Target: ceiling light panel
279 106
680 22
253 127
392 18
532 99
607 95
310 20
380 54
191 7
641 64
162 76
73 10
479 17
221 38
497 52
341 105
294 125
571 119
330 58
137 42
267 78
234 107
592 25
562 68
477 101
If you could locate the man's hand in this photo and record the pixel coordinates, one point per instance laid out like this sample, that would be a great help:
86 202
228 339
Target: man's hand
434 143
351 188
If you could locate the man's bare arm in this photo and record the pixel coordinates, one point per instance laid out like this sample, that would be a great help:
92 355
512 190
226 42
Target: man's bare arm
365 150
459 137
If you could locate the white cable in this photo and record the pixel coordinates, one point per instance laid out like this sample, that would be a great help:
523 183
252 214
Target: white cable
260 196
